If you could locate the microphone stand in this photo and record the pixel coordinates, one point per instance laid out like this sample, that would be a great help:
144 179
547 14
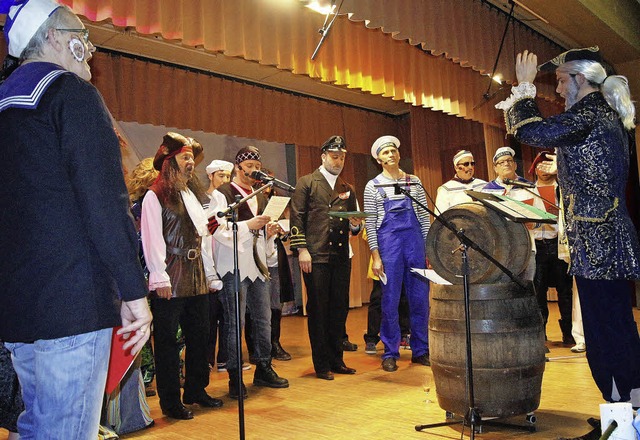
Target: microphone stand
324 31
472 418
232 213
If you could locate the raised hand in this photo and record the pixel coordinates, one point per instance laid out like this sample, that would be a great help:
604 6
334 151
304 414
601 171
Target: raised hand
526 67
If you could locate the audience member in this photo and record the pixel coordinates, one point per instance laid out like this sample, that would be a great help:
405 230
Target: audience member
69 251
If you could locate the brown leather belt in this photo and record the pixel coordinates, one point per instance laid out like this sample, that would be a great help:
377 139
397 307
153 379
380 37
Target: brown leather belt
189 254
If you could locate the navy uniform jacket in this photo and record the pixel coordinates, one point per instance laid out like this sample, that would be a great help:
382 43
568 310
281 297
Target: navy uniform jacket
68 245
593 167
325 237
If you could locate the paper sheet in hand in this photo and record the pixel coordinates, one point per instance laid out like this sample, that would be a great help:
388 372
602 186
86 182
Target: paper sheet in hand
431 275
275 207
119 362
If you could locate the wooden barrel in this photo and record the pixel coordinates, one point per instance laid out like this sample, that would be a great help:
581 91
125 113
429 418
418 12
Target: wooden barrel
507 342
506 241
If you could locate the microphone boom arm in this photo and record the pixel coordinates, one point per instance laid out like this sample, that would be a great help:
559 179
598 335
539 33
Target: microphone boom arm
235 205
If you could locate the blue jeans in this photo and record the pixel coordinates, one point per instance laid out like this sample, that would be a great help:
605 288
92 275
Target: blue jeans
255 296
63 384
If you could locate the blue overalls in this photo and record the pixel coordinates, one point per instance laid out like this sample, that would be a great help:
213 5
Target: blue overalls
401 246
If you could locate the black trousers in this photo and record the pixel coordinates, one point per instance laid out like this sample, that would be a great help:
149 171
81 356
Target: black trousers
374 314
611 335
552 272
192 314
216 321
327 309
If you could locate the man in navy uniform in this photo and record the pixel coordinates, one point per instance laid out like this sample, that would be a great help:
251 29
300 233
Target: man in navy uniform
322 243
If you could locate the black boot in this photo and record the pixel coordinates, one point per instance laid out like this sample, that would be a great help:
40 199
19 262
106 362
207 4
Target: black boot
265 376
277 352
567 338
233 385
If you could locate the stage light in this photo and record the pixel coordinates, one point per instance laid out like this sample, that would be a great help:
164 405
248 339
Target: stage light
323 7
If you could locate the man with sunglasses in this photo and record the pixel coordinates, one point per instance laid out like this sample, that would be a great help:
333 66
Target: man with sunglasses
452 193
69 263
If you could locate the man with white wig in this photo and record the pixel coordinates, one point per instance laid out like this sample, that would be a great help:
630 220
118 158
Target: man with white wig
592 142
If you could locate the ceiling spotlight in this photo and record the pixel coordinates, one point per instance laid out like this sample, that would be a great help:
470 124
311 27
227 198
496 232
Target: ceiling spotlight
323 7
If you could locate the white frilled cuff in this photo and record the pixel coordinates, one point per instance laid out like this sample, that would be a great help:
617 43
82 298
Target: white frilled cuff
521 91
215 284
157 280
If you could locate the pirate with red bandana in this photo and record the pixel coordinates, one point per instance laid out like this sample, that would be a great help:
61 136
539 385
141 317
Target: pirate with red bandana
177 251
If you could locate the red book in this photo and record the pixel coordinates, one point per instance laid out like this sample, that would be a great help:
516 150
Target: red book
549 193
119 361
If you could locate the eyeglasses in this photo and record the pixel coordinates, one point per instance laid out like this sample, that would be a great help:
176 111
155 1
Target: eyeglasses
505 162
466 164
83 32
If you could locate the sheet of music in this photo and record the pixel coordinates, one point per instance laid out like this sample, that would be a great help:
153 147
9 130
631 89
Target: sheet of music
276 206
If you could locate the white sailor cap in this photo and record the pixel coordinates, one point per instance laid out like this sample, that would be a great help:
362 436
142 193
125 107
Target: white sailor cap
503 151
384 142
219 165
23 21
461 155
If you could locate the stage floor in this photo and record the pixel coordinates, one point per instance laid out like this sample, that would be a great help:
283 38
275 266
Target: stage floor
374 404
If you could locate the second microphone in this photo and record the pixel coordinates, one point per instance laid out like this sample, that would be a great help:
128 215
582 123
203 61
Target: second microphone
265 178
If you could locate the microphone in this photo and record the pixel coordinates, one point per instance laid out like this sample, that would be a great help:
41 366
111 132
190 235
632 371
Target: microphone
265 178
520 184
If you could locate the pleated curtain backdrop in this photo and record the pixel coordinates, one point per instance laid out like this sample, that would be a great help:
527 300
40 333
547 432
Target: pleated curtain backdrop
283 33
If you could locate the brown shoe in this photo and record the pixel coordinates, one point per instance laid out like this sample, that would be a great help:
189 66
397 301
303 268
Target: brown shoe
326 375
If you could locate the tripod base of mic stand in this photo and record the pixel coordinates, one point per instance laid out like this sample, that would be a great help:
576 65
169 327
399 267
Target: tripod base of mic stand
478 423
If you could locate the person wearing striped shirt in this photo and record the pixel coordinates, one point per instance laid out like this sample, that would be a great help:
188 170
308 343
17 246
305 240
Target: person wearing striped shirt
397 236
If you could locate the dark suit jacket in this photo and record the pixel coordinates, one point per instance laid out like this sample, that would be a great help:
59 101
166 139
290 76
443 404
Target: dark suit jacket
326 237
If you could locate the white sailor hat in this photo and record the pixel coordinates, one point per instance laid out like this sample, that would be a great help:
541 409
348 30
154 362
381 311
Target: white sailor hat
461 155
219 165
503 151
24 18
384 142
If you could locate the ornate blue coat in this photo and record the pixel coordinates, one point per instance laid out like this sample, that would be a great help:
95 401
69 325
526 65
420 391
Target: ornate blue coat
593 166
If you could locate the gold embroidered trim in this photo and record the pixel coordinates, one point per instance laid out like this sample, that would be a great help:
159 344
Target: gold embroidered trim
616 201
525 122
